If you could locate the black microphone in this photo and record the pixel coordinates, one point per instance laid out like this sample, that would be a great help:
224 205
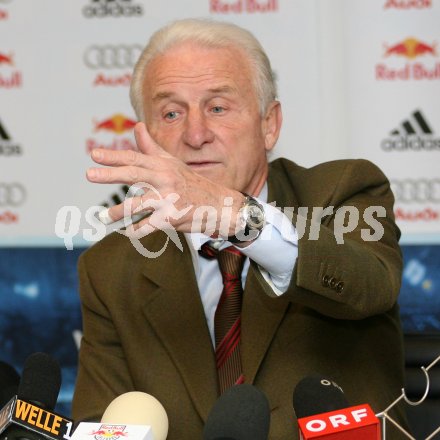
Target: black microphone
9 380
40 381
242 412
29 414
316 394
323 411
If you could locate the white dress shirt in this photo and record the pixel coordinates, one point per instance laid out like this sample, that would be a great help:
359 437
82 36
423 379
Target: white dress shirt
275 251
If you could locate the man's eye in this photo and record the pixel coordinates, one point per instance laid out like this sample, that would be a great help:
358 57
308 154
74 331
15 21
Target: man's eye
217 109
171 115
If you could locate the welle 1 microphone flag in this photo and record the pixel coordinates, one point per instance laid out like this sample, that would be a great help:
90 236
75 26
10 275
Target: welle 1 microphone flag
19 413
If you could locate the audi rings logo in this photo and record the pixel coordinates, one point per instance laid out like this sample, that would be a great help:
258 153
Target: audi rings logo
12 194
112 57
416 190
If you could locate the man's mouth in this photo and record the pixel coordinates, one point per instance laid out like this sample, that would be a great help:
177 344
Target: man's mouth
202 163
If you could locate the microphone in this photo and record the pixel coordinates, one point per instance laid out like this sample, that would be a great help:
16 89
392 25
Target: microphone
242 412
40 381
134 416
324 412
9 380
29 414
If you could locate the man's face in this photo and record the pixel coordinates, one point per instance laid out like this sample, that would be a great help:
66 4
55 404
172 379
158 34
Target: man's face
201 107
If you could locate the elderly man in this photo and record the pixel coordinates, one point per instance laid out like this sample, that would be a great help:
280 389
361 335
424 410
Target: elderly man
245 291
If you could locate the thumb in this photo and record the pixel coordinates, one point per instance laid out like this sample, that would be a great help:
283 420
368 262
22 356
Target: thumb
145 142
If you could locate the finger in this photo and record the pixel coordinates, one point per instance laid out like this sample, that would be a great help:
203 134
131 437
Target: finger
121 174
138 206
118 158
145 142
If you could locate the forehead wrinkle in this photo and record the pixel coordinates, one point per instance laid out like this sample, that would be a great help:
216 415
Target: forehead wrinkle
216 90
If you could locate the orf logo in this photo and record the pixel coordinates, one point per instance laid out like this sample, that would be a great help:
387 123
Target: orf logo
110 432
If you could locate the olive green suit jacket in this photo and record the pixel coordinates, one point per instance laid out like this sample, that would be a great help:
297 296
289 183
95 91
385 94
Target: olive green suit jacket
145 329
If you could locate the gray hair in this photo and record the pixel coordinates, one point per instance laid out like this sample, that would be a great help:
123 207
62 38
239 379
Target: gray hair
207 33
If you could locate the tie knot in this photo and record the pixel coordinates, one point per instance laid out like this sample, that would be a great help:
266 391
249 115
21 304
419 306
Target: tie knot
230 260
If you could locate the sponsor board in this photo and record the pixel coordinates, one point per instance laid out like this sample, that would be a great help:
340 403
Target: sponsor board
419 61
12 196
8 147
113 63
10 76
112 8
242 6
415 134
112 133
407 4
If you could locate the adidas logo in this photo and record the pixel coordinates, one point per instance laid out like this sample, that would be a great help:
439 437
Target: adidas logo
112 8
3 133
409 127
7 146
117 197
413 134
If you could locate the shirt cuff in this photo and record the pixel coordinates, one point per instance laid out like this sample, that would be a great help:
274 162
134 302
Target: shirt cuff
275 250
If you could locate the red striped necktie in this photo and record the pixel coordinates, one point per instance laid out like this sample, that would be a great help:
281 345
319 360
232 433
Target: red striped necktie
227 318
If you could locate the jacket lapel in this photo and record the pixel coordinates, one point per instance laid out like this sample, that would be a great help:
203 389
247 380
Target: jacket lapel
175 311
262 314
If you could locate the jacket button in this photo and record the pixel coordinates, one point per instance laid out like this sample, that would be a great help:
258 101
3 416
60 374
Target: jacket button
325 280
339 287
333 282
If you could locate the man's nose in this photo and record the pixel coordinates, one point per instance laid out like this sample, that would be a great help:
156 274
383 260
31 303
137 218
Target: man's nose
196 131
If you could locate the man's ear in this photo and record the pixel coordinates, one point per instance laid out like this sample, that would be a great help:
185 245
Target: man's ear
272 124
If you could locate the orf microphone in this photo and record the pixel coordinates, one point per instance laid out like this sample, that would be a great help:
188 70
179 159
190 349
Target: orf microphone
29 415
242 412
323 412
131 416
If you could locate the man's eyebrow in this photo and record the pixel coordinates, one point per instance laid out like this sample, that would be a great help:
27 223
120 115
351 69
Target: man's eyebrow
222 89
162 95
159 96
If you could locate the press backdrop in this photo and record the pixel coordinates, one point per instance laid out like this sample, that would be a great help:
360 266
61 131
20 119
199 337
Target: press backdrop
357 79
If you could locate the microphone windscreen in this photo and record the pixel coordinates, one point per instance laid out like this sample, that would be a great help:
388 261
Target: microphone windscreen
242 412
9 380
137 408
40 381
317 394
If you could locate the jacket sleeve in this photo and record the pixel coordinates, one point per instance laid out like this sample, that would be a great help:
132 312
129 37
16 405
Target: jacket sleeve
349 262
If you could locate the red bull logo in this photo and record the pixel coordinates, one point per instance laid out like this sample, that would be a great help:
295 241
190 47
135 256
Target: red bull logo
242 6
411 48
407 4
110 432
6 59
118 124
9 76
114 133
